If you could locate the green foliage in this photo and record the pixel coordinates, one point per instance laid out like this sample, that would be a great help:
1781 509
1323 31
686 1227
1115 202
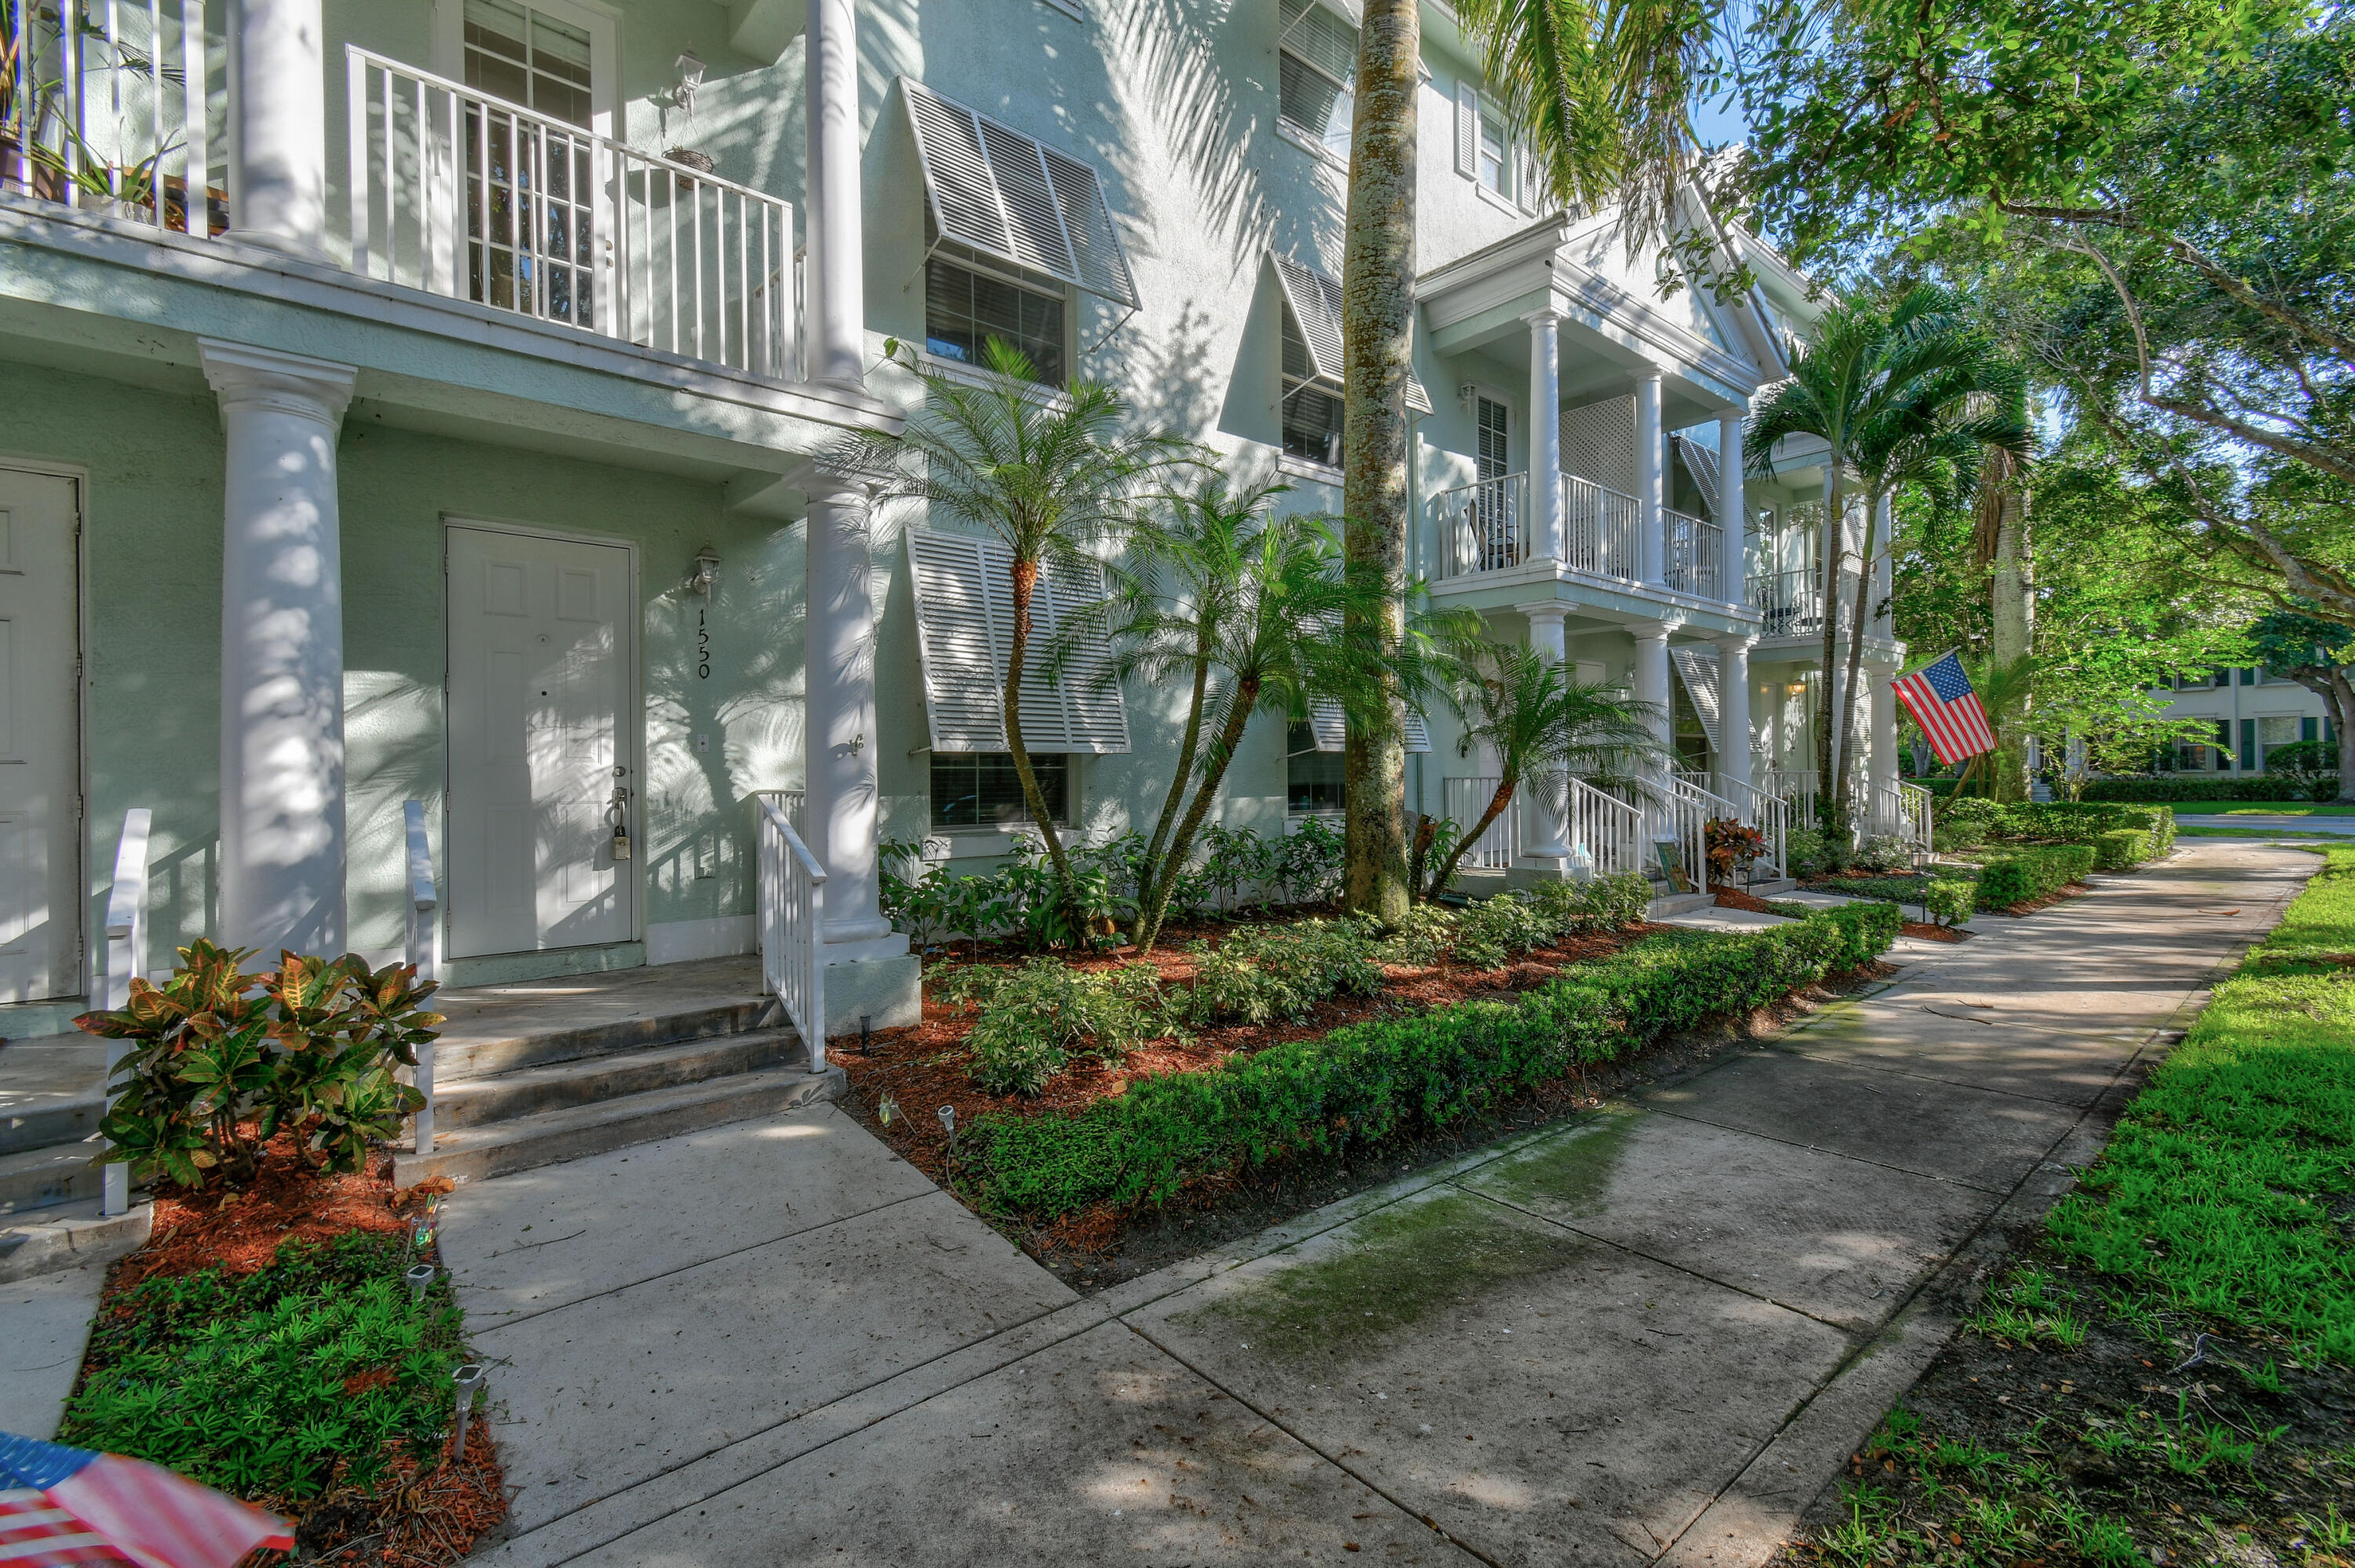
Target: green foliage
2057 821
1419 940
309 1048
1731 846
1368 1080
1951 900
1813 855
1495 931
2220 1187
1034 1019
2123 849
2169 788
260 1385
1263 973
1601 904
2031 873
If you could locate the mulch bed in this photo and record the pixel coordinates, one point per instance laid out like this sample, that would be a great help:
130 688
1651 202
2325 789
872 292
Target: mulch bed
922 1068
412 1519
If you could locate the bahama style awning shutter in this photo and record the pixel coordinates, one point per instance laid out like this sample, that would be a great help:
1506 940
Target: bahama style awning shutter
1313 302
1699 671
964 630
1007 195
1331 726
1700 461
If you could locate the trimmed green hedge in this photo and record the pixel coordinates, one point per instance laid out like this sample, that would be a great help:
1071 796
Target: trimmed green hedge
2300 788
1368 1080
2032 873
2121 849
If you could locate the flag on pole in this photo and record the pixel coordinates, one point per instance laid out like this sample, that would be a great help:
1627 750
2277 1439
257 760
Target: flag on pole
61 1505
1940 698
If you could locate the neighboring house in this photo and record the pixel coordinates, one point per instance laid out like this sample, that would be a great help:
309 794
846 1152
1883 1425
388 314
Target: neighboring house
2251 712
445 438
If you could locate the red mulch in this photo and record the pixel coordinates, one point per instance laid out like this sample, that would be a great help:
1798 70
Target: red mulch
923 1068
1934 933
2058 895
417 1516
1742 898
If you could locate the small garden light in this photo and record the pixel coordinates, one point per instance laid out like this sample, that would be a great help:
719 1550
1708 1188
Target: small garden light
948 1125
467 1379
419 1279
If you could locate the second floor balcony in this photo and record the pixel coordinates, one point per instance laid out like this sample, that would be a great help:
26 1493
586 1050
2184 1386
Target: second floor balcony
170 116
1492 527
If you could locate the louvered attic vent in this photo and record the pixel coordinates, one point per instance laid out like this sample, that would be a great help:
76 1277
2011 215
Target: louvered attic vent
1313 352
964 629
1007 195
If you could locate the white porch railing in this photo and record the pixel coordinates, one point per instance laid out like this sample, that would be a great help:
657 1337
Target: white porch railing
126 957
1483 526
107 105
791 922
1769 814
1902 810
424 951
461 194
1691 809
1499 848
1602 530
789 801
1692 550
1611 829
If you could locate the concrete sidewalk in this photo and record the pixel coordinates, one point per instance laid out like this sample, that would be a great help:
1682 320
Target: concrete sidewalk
1651 1335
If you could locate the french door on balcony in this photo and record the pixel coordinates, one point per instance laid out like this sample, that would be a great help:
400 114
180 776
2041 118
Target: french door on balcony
1496 530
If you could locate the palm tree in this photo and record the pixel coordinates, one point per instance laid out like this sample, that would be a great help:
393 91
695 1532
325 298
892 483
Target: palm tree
1872 377
1047 475
1602 93
1240 606
1539 720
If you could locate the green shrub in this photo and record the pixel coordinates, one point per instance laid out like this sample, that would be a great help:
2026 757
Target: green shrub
1034 1019
242 1383
2031 873
308 1048
2121 848
1496 931
1951 900
1606 904
1811 854
1961 823
1418 940
1263 973
1368 1080
2169 788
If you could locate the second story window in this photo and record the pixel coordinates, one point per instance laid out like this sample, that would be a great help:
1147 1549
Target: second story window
528 56
1496 160
1487 152
965 306
1317 70
1312 365
1495 455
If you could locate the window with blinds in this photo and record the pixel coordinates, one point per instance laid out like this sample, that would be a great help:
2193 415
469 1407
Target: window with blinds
1011 198
964 307
1312 363
1493 438
530 58
965 629
981 789
1316 68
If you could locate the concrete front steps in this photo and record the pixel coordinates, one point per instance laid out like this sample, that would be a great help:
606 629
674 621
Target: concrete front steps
50 1174
528 1086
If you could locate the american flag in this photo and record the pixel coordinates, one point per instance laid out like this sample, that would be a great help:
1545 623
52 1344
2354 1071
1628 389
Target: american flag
61 1505
1940 698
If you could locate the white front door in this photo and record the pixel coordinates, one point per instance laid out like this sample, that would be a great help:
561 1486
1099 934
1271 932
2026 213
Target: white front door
541 656
40 748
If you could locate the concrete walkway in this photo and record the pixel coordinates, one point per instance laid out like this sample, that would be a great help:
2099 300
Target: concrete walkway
1648 1336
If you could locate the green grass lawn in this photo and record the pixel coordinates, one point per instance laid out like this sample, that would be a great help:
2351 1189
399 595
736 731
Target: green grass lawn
2253 830
2168 1376
2261 809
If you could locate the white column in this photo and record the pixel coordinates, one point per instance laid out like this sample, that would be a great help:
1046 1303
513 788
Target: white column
1734 707
280 127
1652 686
839 736
1880 757
1552 790
1649 479
1880 590
281 674
835 280
1545 440
1731 514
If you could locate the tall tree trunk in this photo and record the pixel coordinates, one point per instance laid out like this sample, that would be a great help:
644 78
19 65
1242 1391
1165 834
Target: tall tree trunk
1150 879
1025 584
1377 334
2342 711
2012 601
1829 811
1222 754
1497 804
1856 643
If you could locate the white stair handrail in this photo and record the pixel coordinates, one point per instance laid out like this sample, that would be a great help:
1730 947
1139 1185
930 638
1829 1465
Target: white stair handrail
792 924
1769 814
1695 808
424 949
126 956
1611 829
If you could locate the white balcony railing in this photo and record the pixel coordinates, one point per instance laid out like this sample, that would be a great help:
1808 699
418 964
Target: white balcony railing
460 193
1691 550
1791 601
791 917
1483 526
1602 530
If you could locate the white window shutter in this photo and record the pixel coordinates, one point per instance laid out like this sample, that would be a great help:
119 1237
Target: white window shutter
964 628
1467 130
1699 671
1525 177
1331 726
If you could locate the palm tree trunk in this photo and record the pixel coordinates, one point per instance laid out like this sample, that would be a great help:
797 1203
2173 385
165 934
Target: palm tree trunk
1025 584
1829 808
1856 638
1231 736
1377 326
2012 602
1150 878
1497 804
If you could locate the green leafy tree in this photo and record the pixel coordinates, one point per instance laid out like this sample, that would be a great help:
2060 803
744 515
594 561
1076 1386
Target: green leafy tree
2319 655
1047 476
1537 720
